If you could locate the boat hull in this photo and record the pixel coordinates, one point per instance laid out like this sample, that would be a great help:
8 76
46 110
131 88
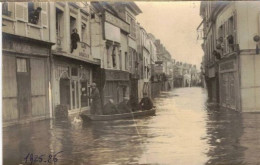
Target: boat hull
88 117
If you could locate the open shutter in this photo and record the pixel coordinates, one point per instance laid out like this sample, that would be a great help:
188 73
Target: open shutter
21 11
235 27
44 15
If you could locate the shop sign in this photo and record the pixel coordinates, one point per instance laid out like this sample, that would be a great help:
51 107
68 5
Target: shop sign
227 66
158 69
117 75
117 22
24 47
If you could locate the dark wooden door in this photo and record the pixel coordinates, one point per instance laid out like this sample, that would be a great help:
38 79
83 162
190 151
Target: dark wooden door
65 92
24 87
84 93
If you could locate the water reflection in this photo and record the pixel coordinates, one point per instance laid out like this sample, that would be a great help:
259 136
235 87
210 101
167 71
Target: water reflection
186 130
224 130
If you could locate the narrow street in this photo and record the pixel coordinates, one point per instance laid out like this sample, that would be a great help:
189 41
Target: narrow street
186 130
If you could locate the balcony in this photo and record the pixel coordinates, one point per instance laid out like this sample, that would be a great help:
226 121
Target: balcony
82 52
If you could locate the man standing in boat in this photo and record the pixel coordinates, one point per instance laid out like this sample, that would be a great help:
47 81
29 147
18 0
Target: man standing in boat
95 107
146 103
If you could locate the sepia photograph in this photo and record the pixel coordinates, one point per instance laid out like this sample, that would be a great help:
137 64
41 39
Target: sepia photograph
130 82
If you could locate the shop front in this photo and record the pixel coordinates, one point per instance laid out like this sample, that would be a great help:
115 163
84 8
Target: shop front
71 83
117 85
228 84
25 79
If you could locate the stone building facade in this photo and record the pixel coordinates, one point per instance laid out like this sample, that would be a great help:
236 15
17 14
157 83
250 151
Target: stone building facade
231 40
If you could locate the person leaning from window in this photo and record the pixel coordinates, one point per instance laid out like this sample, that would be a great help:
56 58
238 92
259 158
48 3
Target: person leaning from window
110 108
95 107
124 107
146 103
74 39
35 15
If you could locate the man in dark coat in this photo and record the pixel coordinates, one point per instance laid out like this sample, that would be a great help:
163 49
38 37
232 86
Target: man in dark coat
110 108
146 103
124 107
74 39
96 101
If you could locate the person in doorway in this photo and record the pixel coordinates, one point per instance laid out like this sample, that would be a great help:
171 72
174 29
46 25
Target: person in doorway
74 39
123 107
146 103
95 107
110 108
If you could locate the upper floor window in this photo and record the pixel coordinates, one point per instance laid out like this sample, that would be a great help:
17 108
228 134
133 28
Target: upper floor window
114 57
59 22
120 59
5 9
34 13
131 21
126 61
84 32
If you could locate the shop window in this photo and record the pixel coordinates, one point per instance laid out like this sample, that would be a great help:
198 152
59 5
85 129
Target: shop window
74 71
34 13
5 10
21 65
84 93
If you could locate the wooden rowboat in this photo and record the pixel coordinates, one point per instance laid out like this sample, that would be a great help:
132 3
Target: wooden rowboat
88 117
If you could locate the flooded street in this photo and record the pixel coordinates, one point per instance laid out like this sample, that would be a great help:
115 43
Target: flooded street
186 130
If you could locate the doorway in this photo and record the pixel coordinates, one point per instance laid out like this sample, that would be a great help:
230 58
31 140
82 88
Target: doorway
65 92
24 87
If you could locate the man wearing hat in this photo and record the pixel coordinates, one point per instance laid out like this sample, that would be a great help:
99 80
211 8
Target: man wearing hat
95 107
123 107
146 103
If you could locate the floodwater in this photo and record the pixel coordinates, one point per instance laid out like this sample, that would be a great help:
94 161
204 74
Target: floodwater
185 131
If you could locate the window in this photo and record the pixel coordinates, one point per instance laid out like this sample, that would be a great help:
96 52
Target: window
34 13
5 10
114 57
59 18
120 59
131 21
108 56
84 32
72 24
21 65
126 61
74 71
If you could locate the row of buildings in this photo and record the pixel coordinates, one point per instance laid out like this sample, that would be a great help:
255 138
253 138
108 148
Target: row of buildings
47 63
231 64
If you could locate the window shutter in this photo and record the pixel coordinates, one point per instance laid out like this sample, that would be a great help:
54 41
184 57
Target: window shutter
235 26
44 14
21 11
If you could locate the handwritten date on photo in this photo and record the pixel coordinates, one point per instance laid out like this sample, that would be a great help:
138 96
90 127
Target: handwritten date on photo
33 158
